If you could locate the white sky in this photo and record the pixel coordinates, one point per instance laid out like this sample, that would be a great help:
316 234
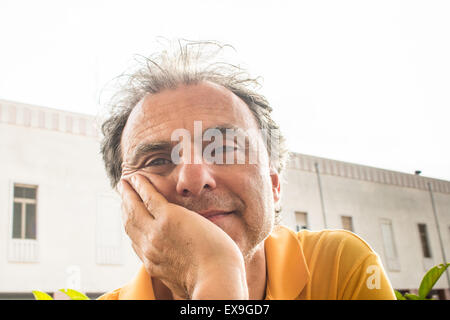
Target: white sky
366 82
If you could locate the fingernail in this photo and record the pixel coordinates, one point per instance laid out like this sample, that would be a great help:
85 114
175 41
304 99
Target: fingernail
133 179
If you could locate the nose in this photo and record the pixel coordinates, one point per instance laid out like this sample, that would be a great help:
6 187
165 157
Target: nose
193 179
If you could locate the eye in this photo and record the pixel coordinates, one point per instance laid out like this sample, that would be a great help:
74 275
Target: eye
224 149
158 162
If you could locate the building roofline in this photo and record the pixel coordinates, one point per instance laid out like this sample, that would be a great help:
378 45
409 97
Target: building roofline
39 117
50 109
356 171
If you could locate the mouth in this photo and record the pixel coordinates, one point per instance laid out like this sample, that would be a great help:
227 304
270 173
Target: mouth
215 216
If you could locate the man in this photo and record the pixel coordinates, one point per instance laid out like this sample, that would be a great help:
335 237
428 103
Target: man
205 226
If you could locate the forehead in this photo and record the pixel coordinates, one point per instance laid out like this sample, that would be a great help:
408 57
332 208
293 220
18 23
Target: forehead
156 116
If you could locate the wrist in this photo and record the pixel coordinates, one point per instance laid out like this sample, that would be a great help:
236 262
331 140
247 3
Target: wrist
221 283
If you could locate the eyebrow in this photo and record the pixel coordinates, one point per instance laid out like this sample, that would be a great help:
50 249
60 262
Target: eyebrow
145 148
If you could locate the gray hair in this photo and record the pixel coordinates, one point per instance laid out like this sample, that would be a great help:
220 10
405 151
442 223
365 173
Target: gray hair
185 63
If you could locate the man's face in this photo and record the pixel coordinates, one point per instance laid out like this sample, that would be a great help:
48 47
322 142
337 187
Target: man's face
246 190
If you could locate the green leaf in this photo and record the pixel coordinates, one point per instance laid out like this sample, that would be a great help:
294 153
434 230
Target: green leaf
430 278
74 295
39 295
399 295
411 296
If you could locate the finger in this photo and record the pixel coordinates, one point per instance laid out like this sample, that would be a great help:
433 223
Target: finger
127 192
135 216
151 198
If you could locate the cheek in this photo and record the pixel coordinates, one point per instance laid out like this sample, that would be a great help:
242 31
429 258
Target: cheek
255 187
164 185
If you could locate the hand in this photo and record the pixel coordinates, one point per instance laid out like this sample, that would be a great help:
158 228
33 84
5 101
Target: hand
192 256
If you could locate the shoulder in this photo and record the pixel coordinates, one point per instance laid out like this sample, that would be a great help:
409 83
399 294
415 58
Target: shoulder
342 266
334 240
335 250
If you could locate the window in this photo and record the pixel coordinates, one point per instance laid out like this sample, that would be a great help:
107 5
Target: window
301 221
347 223
24 212
390 249
424 240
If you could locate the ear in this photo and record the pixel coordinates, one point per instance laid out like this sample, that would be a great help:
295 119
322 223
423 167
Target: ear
276 186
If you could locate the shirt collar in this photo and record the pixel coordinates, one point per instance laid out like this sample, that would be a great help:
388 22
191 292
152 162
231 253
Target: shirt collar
287 271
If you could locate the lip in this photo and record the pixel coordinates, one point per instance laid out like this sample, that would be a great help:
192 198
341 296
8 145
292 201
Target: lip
214 213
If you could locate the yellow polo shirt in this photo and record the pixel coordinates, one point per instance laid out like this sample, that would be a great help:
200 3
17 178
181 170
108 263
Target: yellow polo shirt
308 265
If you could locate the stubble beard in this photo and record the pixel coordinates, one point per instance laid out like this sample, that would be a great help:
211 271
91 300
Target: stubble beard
255 236
257 225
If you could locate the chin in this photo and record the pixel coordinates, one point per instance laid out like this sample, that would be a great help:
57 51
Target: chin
248 235
250 245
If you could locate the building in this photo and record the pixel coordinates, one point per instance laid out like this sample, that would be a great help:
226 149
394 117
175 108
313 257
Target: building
60 223
392 211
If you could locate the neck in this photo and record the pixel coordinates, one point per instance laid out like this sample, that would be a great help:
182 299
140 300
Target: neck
255 268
